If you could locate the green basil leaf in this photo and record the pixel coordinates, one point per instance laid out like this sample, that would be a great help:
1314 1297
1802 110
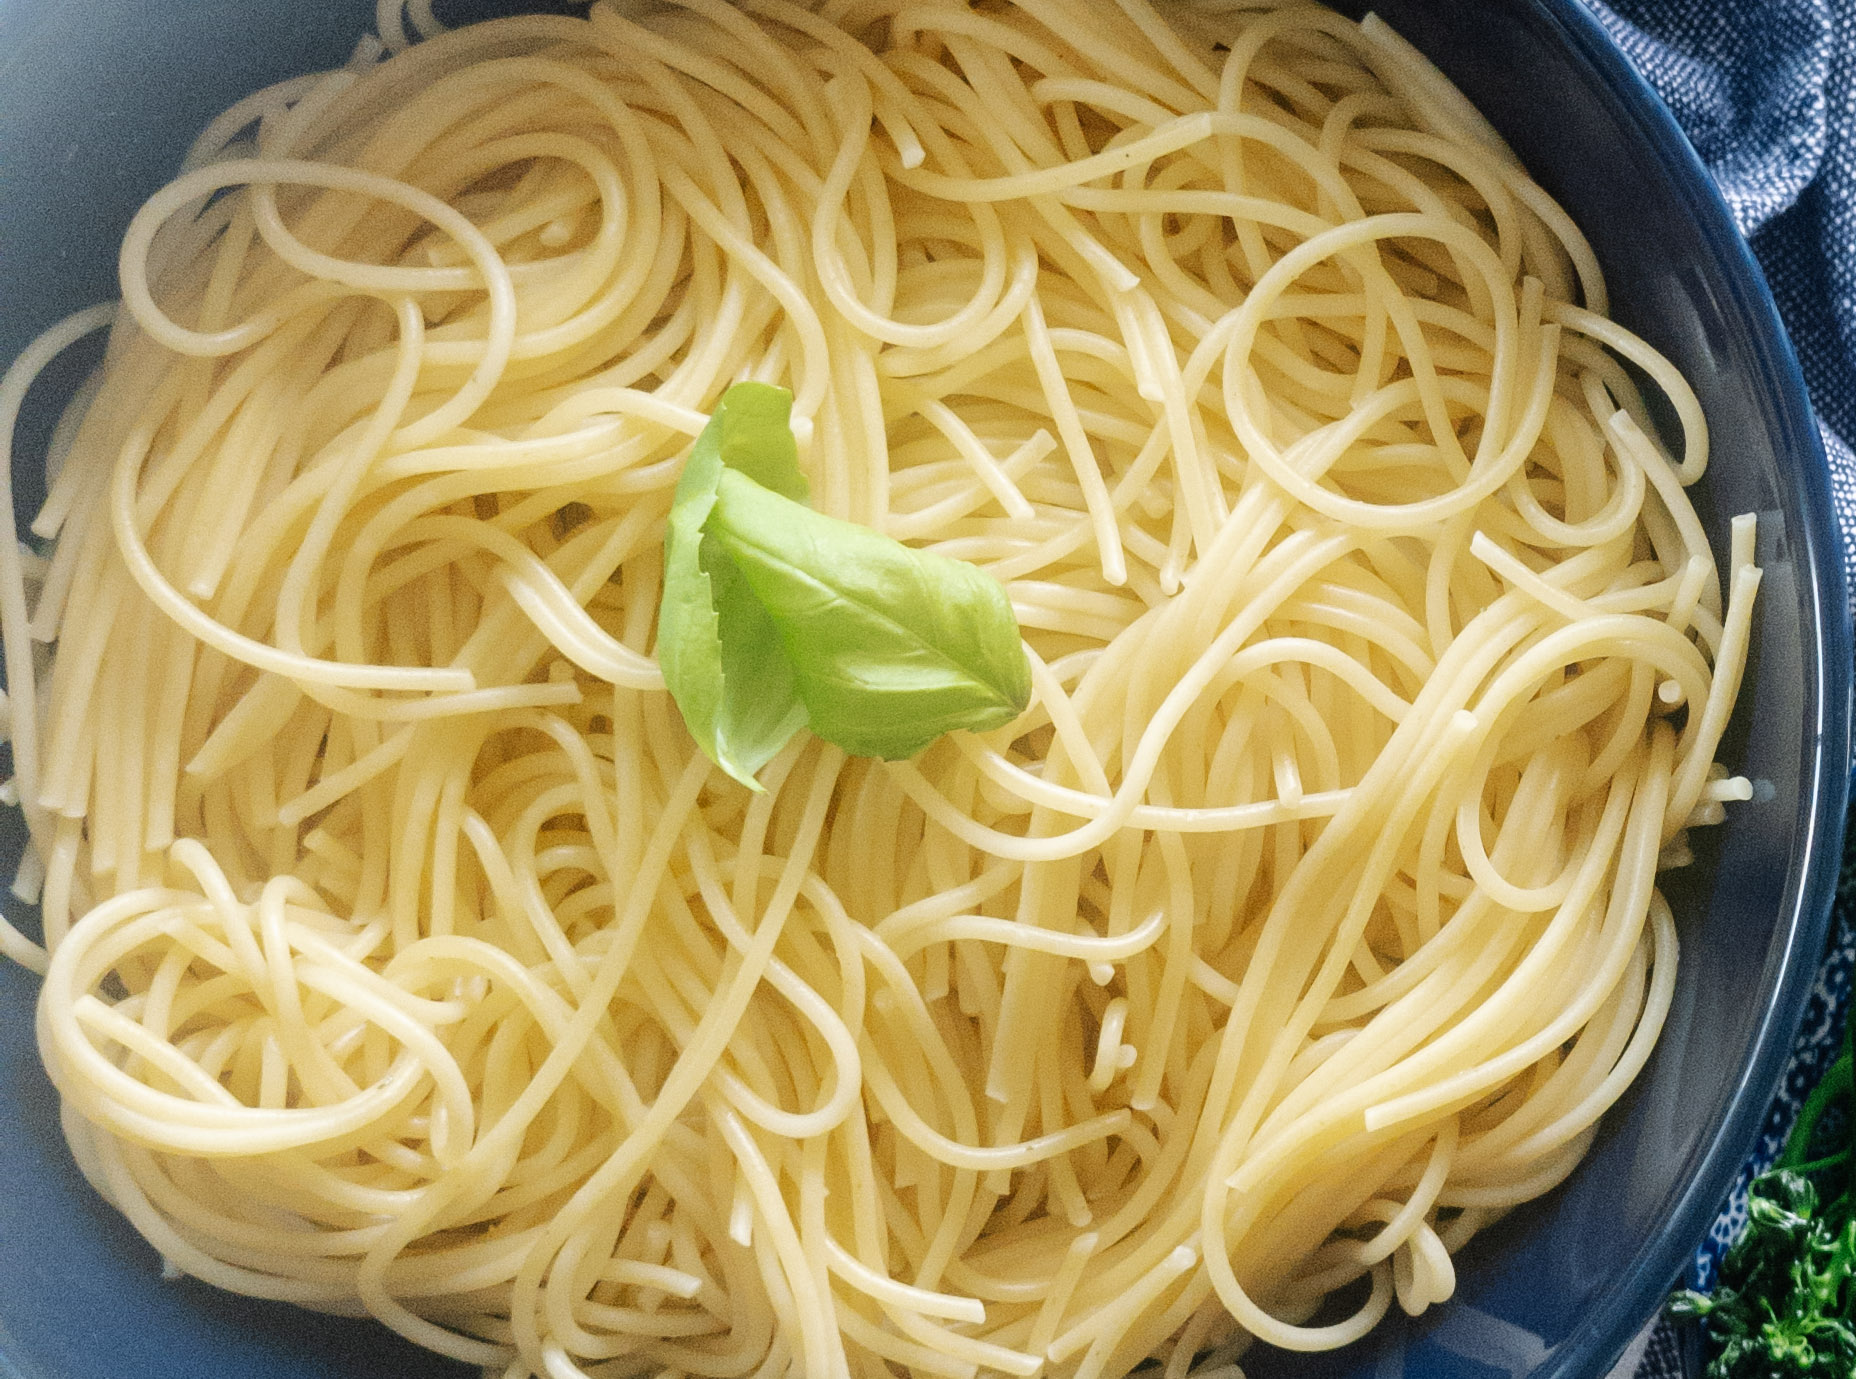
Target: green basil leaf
761 707
755 437
719 652
890 647
775 617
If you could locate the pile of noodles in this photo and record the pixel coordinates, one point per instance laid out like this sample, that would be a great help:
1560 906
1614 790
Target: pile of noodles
403 953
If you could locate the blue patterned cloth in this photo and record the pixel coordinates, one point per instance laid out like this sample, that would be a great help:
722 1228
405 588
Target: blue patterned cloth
1766 91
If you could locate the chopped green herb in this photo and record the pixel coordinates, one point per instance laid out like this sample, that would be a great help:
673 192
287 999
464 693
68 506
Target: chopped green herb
1785 1306
775 617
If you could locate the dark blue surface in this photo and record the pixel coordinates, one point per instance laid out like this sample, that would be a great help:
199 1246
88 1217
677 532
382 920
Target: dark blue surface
99 97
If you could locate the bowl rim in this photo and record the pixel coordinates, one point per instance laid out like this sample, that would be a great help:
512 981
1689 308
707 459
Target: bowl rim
1620 1313
1623 1311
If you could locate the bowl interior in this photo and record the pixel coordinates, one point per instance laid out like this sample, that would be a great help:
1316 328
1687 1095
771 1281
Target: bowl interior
1556 1289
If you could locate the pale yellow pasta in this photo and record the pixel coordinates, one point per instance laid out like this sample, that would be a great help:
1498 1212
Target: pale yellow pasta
405 956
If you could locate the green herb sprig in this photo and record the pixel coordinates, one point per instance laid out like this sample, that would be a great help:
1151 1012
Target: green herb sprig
775 617
1785 1306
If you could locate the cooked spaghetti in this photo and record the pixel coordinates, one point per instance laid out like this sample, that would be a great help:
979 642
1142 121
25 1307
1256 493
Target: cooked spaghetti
404 955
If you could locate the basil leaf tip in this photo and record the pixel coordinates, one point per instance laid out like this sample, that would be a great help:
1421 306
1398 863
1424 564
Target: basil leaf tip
775 617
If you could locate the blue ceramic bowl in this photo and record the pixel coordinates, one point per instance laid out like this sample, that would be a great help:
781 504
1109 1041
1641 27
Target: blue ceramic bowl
98 98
